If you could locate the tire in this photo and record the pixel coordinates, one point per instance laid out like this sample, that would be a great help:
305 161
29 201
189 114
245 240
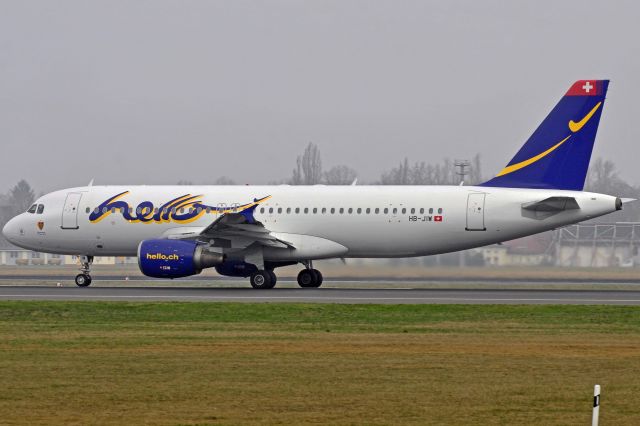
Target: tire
318 278
261 280
306 278
83 280
274 278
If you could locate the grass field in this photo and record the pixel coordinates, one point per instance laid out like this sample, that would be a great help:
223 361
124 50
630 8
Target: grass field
192 363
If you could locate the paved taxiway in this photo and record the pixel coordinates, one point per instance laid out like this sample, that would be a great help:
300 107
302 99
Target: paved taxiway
325 295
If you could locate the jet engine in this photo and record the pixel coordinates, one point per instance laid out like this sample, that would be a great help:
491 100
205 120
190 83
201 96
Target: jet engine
175 258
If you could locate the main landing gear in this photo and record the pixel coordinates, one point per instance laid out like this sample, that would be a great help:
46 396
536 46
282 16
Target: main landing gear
83 279
263 279
309 277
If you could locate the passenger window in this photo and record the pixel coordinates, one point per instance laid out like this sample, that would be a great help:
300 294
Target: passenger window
350 210
395 210
359 211
270 210
104 210
430 211
404 211
288 210
297 210
315 210
261 209
413 211
377 210
88 209
32 209
368 210
341 210
324 210
333 210
422 210
279 210
306 210
386 210
439 211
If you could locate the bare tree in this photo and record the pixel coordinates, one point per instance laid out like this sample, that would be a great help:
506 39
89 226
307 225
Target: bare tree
340 175
21 196
603 178
420 173
475 175
223 180
398 175
308 169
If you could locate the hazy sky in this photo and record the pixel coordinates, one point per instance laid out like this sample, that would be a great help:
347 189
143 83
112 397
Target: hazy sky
162 91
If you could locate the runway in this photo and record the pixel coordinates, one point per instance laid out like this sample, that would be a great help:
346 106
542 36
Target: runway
324 295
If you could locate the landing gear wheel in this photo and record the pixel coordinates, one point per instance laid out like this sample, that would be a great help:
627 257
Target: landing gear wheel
83 280
318 278
274 278
306 278
261 280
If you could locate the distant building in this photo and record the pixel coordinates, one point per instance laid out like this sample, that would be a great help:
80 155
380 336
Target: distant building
14 256
528 251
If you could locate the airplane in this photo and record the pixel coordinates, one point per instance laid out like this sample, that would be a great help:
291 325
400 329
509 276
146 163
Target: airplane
249 231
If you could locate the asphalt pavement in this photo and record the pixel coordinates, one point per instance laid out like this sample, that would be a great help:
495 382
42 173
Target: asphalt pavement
405 295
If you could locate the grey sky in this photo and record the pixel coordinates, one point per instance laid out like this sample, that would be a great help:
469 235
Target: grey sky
157 91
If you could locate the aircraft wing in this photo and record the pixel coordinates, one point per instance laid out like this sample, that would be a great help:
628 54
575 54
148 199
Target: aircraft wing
236 230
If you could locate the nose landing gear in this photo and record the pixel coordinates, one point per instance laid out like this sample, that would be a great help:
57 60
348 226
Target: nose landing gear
83 279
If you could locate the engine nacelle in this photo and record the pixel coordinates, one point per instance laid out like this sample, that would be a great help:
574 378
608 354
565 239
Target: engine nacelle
175 258
236 269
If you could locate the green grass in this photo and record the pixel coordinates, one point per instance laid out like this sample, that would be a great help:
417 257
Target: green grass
225 363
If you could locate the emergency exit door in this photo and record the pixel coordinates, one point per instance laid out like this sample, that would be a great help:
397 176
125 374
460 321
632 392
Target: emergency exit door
70 211
475 212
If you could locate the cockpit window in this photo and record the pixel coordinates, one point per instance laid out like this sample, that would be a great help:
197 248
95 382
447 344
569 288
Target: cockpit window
32 209
40 208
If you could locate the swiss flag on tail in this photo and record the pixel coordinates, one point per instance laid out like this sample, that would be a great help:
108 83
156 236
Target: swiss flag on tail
437 218
585 88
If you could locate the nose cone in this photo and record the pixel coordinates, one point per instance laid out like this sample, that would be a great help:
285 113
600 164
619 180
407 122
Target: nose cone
10 230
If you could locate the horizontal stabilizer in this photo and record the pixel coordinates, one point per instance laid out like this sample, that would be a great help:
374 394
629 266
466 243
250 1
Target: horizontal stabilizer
552 204
548 207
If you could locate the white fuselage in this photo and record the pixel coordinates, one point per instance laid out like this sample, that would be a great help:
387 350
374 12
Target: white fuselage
368 221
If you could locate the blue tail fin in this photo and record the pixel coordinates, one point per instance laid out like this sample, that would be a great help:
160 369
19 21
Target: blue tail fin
557 155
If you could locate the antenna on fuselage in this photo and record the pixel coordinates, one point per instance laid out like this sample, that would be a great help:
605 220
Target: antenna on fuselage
90 183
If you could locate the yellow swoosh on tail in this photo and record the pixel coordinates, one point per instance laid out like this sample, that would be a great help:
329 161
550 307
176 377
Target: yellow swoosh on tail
512 168
574 127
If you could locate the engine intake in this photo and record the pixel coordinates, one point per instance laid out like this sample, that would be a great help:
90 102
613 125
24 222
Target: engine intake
175 258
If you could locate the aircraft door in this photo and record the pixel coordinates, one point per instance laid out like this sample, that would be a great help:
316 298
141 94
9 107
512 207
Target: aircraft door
70 211
475 212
